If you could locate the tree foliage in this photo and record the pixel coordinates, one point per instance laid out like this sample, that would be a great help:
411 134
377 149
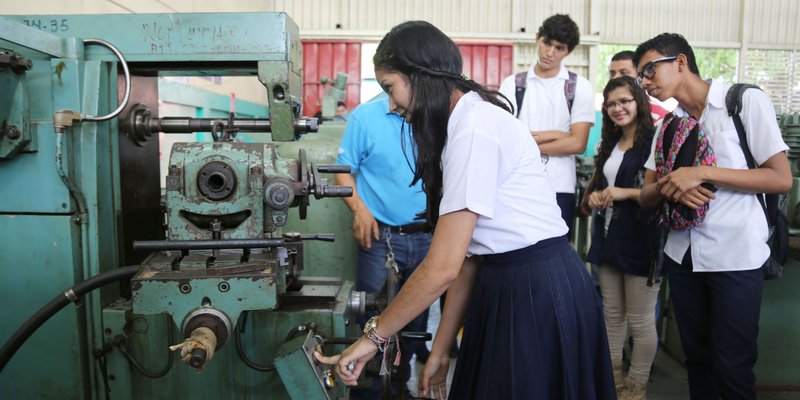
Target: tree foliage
719 64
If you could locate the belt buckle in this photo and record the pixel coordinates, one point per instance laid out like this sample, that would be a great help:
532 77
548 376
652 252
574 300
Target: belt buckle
401 232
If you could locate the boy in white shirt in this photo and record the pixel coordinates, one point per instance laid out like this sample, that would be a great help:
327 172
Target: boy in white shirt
715 272
557 107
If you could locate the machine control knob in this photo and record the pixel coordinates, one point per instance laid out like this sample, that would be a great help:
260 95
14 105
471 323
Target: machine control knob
198 358
279 194
327 379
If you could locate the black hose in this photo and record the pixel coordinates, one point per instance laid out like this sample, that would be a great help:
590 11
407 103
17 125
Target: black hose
240 349
33 323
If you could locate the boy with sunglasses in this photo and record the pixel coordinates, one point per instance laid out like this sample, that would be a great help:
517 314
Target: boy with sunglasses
714 267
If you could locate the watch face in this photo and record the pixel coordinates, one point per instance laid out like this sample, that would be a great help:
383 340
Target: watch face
371 325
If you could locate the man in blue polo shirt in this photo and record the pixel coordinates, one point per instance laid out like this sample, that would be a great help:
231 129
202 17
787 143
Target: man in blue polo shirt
380 151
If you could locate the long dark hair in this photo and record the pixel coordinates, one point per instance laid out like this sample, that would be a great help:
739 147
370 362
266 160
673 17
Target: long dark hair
432 63
611 133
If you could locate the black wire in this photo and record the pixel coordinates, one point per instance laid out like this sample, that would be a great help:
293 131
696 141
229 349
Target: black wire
100 355
297 330
240 329
139 367
45 313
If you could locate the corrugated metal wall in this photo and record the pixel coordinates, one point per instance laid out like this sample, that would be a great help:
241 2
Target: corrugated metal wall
738 24
326 59
774 23
712 23
469 17
632 22
767 23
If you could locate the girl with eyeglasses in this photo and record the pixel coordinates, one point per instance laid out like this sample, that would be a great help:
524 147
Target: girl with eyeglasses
621 238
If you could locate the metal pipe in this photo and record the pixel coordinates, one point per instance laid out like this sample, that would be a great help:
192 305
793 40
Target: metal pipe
127 73
161 245
190 125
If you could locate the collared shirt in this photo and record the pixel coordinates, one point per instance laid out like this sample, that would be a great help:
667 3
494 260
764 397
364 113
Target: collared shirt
733 234
373 147
544 108
492 166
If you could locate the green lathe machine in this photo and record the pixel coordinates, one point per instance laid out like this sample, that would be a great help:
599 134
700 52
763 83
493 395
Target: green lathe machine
214 263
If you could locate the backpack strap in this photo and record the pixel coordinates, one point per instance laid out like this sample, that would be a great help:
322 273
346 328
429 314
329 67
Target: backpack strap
733 102
521 81
733 99
569 89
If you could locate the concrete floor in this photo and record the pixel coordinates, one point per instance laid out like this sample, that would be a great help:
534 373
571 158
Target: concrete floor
667 379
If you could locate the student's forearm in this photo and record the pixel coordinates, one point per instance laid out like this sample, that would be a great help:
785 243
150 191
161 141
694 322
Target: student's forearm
759 180
440 268
543 137
565 143
566 146
632 194
649 196
455 307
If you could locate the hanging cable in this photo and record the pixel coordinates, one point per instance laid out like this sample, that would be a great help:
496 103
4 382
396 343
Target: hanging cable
76 193
240 329
119 342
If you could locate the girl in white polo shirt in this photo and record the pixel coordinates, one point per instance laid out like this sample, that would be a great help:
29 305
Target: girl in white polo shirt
534 326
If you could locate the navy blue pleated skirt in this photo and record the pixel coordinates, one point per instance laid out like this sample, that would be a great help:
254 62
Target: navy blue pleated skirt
534 329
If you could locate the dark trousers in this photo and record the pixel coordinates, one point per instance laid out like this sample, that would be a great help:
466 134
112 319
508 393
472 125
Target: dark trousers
717 315
566 202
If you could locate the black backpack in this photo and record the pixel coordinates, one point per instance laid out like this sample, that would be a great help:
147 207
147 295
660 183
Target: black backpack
521 82
774 205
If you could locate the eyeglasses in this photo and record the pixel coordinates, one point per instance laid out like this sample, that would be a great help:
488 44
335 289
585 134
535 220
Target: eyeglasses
649 70
622 102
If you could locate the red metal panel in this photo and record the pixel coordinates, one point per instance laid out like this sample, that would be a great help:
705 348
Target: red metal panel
326 59
466 55
479 64
493 74
310 74
486 63
489 63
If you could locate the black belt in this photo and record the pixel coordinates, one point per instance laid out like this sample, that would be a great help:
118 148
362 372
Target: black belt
408 229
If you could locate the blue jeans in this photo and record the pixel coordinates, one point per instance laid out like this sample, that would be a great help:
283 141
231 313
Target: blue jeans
717 315
409 250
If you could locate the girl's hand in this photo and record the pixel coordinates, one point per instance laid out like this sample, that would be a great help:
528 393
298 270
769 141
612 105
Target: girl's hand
597 200
433 377
351 362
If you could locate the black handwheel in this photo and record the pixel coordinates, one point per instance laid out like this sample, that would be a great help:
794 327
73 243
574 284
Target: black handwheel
303 172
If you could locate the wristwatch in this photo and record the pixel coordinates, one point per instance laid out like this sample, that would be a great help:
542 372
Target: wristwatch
371 326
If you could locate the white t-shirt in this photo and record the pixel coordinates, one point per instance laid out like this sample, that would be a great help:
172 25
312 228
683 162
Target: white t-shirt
733 234
610 169
492 167
544 108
